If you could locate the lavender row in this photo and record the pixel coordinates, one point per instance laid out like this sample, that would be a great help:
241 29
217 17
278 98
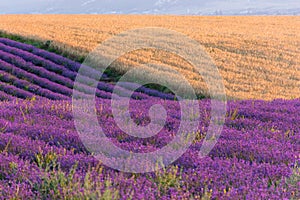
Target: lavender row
5 97
64 82
23 73
73 66
25 85
148 91
56 63
14 91
38 61
39 71
49 65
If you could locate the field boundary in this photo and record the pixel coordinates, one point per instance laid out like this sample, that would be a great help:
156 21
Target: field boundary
74 55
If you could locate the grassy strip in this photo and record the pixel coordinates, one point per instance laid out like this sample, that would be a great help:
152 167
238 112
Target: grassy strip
45 45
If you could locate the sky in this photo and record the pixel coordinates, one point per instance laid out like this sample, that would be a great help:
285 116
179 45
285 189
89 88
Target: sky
182 7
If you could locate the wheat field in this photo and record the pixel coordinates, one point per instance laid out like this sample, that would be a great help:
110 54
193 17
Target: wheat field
257 57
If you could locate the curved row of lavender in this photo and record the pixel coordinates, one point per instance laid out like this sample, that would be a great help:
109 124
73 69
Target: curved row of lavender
42 156
49 75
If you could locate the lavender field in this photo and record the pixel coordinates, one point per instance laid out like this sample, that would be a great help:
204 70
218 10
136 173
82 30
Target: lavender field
42 157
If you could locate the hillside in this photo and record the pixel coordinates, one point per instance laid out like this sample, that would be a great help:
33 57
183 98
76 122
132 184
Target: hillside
258 57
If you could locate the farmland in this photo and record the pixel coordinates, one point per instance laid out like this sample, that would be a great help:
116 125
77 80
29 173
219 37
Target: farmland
44 155
258 57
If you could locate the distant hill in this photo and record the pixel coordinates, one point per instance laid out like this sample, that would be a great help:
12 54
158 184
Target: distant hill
182 7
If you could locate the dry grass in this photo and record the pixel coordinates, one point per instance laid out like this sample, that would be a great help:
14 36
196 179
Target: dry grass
258 57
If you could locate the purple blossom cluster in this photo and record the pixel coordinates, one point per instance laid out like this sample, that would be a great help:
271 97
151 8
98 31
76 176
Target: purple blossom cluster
255 157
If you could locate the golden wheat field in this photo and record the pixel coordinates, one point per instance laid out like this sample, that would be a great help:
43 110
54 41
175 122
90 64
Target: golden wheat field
257 57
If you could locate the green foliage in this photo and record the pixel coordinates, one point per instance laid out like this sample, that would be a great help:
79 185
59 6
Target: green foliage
233 114
168 178
46 161
293 181
57 184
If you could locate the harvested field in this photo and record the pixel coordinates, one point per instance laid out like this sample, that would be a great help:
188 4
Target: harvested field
258 57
